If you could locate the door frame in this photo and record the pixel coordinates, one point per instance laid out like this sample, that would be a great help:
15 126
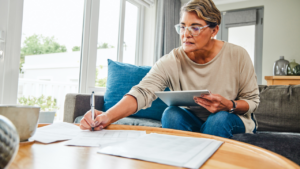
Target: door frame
258 47
9 65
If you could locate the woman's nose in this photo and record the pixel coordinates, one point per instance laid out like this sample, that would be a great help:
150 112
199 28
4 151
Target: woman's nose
187 33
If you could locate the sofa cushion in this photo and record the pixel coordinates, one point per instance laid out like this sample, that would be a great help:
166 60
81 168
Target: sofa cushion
285 144
121 78
279 108
132 121
78 119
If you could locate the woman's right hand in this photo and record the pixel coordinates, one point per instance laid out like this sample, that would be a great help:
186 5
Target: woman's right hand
100 122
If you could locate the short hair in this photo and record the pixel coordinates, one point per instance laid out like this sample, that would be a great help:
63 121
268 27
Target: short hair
205 9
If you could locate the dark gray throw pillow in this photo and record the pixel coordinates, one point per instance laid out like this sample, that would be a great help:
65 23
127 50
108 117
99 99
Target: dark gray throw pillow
279 108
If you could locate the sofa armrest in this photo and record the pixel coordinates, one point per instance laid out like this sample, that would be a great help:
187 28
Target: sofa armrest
69 107
78 104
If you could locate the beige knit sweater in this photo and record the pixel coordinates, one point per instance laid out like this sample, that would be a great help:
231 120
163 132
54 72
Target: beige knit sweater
230 73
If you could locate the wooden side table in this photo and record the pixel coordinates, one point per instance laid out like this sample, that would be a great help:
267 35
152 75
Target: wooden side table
282 80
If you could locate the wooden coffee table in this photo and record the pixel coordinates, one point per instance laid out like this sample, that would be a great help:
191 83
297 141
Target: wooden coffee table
232 154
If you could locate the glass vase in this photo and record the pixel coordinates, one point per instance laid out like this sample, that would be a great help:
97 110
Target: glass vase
291 66
280 67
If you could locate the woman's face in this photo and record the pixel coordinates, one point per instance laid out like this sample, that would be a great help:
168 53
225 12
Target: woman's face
193 43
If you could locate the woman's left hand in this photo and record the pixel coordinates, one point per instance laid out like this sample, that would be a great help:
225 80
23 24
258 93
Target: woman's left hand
214 103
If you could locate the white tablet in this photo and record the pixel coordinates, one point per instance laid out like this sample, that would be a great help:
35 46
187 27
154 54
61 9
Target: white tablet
181 98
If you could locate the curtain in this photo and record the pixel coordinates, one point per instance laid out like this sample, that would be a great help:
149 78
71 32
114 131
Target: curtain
166 37
240 18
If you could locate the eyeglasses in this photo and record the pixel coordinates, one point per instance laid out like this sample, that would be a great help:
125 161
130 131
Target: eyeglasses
194 30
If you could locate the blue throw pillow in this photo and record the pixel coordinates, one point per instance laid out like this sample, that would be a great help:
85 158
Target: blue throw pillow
121 78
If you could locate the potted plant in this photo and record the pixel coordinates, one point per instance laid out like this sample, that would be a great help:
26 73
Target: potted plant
47 105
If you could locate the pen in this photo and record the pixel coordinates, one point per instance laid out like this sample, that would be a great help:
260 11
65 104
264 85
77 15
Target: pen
93 107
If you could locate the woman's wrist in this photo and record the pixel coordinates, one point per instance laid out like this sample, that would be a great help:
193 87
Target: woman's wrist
229 105
109 116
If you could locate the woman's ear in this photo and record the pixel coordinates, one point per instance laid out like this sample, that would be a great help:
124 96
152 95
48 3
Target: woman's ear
215 31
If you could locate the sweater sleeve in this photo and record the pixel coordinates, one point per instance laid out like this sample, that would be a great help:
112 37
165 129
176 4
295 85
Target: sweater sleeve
155 80
248 88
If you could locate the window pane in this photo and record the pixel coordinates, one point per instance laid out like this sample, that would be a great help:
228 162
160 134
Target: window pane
131 15
243 36
50 53
108 33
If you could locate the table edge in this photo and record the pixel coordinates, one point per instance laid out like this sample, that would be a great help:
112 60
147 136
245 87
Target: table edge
282 77
272 155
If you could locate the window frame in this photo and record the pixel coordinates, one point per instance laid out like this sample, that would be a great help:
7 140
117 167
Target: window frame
9 65
139 34
89 46
88 85
9 74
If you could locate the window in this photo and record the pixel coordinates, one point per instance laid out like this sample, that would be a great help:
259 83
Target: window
50 52
63 47
130 33
45 78
243 36
117 36
107 42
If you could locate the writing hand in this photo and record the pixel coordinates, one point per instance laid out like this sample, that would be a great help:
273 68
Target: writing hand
100 122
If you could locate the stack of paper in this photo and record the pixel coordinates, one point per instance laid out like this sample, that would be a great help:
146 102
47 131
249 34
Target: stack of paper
67 131
55 132
104 137
166 149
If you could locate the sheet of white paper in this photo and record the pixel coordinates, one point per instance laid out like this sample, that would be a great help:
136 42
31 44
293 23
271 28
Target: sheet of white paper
104 137
166 149
56 132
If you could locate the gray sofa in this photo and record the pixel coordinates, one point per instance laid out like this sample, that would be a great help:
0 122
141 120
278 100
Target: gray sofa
278 117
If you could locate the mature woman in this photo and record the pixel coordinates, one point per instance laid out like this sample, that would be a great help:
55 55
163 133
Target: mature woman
202 62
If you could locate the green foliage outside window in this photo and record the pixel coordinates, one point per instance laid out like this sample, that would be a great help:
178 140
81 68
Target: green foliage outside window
105 46
45 103
100 82
76 48
39 44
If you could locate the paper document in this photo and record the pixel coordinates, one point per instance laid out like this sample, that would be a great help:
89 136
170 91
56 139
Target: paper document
178 151
55 132
68 131
104 137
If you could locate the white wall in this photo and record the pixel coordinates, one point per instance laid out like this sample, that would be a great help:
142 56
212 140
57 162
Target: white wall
281 34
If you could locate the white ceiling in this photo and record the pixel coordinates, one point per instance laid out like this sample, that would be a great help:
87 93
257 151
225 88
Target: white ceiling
219 2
